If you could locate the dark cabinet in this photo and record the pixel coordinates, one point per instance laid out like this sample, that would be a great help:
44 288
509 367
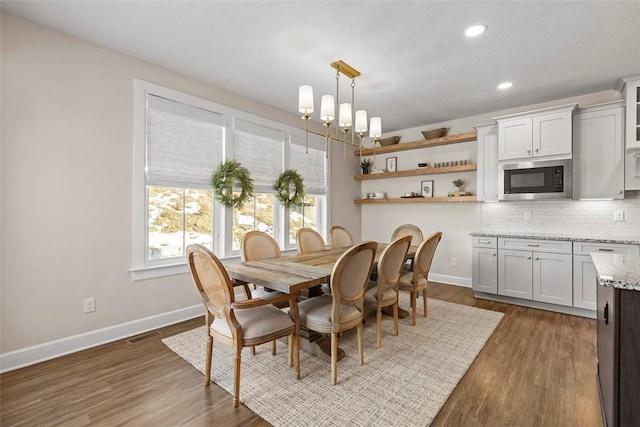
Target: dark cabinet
619 355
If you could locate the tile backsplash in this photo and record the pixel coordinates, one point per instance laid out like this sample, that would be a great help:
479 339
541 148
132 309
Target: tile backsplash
580 218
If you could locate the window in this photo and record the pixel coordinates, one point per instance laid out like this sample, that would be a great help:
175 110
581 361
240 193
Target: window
179 141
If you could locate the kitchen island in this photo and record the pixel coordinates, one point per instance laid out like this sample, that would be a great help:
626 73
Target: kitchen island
618 317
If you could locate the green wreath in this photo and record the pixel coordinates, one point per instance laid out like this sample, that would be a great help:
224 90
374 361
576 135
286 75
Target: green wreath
283 185
229 173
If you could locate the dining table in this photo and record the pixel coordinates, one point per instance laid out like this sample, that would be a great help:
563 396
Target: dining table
301 276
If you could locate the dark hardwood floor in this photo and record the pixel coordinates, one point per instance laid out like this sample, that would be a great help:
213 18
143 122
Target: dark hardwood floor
538 368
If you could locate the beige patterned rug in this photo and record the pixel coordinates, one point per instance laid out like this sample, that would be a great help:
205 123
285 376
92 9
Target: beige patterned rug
404 383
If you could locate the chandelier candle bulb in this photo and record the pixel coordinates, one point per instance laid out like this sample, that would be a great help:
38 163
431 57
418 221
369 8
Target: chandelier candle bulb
305 99
327 108
375 128
361 121
345 115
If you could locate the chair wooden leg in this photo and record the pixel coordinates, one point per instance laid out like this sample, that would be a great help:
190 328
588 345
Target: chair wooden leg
296 353
360 343
236 378
290 345
253 350
424 297
273 347
334 358
379 325
395 318
207 378
414 303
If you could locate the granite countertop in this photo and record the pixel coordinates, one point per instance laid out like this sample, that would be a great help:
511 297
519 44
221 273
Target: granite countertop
542 236
618 270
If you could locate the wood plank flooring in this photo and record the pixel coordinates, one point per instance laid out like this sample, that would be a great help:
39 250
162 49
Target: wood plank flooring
538 368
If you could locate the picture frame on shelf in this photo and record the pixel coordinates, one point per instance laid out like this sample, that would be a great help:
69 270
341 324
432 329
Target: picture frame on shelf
392 164
426 188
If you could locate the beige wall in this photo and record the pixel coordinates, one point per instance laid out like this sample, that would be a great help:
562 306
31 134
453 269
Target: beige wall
67 160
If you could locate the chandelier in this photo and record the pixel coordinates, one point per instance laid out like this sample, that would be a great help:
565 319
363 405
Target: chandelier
350 120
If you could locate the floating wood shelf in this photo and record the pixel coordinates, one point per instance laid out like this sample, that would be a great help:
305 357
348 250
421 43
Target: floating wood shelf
417 172
416 200
424 143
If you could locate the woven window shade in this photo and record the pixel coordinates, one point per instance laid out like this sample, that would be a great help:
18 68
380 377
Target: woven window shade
184 143
311 165
260 150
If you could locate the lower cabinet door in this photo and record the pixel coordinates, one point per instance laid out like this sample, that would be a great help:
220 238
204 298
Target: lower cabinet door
515 277
607 366
484 270
585 282
552 278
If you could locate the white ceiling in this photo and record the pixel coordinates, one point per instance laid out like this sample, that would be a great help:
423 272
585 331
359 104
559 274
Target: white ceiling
417 66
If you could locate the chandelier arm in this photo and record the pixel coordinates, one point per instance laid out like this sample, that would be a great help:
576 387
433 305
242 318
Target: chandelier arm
331 138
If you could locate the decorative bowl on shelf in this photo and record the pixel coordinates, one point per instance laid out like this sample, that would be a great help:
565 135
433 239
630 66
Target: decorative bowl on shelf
389 140
435 133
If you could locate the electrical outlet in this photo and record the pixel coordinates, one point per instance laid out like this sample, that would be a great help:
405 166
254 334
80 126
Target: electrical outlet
89 305
527 215
454 261
618 216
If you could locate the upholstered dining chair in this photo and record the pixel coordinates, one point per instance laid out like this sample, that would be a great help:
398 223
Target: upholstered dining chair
342 310
257 245
309 240
385 293
416 280
416 238
238 323
340 237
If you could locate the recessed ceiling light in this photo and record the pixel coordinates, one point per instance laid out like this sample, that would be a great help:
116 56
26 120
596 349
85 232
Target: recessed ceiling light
475 30
505 85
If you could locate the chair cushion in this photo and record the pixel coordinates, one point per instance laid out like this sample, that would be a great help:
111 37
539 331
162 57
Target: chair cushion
371 296
261 292
317 311
406 285
256 322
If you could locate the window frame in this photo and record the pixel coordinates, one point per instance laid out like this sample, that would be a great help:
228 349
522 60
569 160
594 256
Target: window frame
144 268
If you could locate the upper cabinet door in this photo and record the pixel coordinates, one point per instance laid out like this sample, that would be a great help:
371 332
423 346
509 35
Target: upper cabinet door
552 134
487 175
544 134
514 139
598 161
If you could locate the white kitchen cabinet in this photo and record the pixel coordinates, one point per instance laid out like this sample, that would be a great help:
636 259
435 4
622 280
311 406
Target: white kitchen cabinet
487 172
544 134
515 274
484 265
538 270
598 157
552 278
585 281
630 88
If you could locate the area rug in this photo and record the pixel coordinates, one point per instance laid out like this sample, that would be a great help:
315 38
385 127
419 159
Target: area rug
405 383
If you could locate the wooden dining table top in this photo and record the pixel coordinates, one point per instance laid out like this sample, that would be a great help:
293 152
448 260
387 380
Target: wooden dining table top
294 273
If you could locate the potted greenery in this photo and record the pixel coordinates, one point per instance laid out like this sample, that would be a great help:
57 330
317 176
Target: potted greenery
365 164
458 183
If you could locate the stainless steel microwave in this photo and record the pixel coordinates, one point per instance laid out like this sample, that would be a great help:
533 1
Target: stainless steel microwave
535 180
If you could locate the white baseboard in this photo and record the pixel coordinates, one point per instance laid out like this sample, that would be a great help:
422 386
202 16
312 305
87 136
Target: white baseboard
50 350
450 280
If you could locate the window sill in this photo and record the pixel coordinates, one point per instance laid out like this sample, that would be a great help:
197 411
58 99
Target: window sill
166 270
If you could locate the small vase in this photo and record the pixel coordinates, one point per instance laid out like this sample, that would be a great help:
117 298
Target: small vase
365 171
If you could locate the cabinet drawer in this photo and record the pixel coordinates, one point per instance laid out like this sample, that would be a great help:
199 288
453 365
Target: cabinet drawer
585 248
485 242
556 246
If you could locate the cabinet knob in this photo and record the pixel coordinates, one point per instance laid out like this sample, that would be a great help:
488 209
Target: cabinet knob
528 257
528 151
493 254
537 258
537 151
620 192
